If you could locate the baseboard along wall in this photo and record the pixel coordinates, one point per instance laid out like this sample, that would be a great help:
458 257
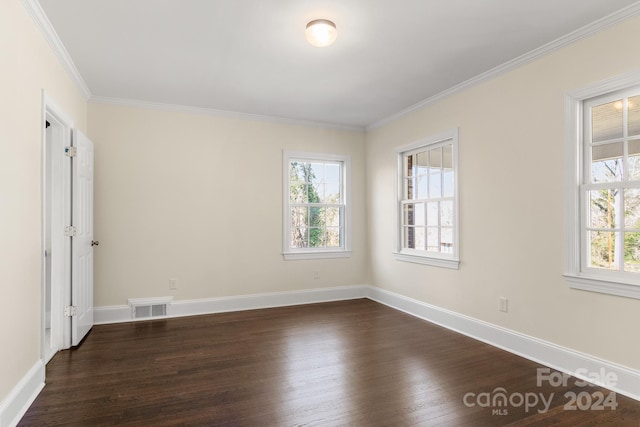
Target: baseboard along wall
16 403
194 307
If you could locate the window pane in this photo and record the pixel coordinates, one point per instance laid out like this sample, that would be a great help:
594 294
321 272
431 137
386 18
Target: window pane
333 237
299 237
297 171
433 244
602 210
603 247
632 252
634 116
634 160
606 162
297 192
607 121
435 159
419 214
297 186
435 185
316 217
447 160
446 213
332 217
422 163
316 237
446 245
409 214
304 171
299 216
447 157
448 184
331 193
420 238
422 187
332 171
632 208
432 214
409 237
316 172
316 193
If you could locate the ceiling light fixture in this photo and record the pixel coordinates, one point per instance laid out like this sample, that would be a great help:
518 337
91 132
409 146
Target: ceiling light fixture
321 32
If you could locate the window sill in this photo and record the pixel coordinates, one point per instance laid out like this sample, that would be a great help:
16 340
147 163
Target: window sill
292 256
426 260
603 286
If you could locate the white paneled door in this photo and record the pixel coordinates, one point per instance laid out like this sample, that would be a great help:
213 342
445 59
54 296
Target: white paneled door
82 241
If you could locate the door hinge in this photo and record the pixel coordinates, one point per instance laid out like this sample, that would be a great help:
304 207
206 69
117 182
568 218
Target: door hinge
69 231
70 310
70 151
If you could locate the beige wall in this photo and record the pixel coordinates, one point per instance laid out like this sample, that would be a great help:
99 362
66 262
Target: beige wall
511 201
199 198
27 65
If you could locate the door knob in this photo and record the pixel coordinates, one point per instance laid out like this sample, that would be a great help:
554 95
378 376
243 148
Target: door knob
95 243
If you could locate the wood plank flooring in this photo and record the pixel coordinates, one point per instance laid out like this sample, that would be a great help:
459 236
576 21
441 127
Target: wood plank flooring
353 363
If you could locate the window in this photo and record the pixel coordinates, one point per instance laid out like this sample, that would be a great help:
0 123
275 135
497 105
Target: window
603 223
428 201
316 206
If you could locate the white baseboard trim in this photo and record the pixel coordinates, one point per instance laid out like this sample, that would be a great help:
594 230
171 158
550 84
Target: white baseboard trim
15 405
112 314
543 352
119 314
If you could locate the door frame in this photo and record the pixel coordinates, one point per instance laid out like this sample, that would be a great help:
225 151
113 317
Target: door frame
60 217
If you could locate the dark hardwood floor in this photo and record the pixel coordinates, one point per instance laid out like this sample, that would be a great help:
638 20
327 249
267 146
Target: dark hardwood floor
355 363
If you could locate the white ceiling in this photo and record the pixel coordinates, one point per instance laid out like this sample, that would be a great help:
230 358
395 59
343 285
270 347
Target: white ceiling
250 56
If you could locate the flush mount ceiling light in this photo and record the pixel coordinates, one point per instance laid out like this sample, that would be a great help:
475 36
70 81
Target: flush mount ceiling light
321 32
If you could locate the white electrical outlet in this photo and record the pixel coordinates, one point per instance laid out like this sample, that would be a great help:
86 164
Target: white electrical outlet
504 304
316 275
173 284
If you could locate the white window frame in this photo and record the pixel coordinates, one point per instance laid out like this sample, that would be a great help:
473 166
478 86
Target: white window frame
577 275
436 259
344 251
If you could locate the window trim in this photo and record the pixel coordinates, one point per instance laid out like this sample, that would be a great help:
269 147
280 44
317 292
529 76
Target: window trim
575 275
433 259
289 253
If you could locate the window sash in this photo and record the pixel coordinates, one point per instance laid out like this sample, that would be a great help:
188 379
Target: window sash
610 240
438 241
327 230
331 209
431 241
575 107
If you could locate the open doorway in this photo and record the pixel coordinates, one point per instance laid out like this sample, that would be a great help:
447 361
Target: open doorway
56 249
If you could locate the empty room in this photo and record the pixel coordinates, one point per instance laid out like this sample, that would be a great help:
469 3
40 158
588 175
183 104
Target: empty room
280 213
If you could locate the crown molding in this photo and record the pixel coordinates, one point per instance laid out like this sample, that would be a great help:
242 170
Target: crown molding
44 25
220 113
581 33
